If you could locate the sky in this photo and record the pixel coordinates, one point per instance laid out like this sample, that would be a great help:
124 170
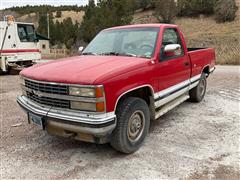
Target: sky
10 3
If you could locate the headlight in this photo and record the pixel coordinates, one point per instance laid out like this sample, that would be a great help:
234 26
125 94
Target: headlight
86 92
85 106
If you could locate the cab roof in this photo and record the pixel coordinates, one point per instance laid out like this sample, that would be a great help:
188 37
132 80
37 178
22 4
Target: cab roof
143 26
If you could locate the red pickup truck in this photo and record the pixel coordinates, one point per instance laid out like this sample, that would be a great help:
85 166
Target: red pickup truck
124 78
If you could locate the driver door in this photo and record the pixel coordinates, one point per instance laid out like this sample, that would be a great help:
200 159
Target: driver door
173 68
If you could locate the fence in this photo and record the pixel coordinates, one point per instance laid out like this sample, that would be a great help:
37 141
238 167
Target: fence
57 53
228 53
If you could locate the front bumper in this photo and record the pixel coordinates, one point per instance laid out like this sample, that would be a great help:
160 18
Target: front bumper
71 123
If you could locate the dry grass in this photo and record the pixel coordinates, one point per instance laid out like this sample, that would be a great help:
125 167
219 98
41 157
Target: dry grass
205 32
32 17
29 18
76 16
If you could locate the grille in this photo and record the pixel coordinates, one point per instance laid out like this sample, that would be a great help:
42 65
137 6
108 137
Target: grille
46 88
49 101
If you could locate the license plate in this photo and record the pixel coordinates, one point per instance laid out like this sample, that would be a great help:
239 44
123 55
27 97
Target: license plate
38 120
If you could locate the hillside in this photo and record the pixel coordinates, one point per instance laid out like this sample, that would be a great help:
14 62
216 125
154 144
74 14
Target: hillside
199 32
76 16
205 32
33 17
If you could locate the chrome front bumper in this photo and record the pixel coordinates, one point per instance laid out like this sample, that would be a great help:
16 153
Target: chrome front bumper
71 121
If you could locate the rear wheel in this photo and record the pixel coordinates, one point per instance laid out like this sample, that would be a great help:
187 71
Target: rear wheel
133 120
197 94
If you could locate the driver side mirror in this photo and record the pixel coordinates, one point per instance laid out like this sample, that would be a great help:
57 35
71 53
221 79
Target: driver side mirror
172 50
80 49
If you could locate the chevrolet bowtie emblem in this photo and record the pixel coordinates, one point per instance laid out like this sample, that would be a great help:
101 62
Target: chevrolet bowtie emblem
36 93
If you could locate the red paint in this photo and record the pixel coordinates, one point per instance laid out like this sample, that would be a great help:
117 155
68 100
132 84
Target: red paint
19 50
120 74
202 58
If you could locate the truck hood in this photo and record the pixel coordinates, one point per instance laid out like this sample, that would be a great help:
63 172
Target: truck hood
83 69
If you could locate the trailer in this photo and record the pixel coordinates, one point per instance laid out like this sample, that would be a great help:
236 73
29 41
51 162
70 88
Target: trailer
18 44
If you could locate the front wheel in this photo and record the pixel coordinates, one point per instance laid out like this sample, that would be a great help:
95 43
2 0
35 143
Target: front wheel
133 120
197 94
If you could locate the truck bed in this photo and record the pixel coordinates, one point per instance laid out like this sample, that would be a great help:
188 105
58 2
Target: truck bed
194 49
201 57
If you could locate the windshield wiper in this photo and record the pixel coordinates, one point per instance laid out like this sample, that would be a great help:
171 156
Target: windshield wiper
134 55
129 54
119 54
110 53
113 53
89 53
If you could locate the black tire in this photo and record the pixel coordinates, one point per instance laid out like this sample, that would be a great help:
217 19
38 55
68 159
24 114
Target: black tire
129 112
3 72
197 94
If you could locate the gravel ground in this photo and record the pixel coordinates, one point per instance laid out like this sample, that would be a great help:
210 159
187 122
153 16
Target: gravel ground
193 141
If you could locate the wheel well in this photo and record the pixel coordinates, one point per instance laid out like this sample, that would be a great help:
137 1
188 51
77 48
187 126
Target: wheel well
144 93
206 70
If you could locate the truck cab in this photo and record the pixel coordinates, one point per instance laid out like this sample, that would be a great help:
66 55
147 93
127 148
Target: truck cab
18 44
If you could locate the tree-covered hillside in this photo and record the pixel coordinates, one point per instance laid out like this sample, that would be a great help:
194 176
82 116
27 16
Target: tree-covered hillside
44 9
69 31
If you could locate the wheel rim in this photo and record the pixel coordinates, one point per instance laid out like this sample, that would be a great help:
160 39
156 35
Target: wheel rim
136 125
202 84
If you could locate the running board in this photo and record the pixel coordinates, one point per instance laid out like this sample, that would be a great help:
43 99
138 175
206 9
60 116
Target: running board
169 106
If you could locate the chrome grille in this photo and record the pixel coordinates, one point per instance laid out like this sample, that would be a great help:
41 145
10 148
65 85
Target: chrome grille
46 88
49 101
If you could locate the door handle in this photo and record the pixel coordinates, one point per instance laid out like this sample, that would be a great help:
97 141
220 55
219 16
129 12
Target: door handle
186 63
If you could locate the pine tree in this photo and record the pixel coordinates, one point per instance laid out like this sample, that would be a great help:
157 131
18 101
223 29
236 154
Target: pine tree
105 14
42 25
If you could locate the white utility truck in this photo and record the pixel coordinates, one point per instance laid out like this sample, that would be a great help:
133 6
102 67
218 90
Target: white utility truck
18 44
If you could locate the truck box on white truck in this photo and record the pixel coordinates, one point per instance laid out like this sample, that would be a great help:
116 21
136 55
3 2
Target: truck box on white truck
18 44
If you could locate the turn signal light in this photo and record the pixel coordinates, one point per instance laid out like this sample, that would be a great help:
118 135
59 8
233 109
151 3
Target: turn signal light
100 106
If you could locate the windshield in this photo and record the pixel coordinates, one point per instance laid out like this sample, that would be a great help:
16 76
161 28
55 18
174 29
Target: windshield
26 33
137 42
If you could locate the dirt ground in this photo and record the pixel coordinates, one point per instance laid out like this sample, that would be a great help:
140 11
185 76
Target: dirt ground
193 141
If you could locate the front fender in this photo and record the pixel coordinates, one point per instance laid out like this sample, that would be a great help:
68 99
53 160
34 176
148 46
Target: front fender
121 85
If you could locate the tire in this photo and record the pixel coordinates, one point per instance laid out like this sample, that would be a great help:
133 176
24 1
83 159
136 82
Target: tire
197 94
133 120
3 72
